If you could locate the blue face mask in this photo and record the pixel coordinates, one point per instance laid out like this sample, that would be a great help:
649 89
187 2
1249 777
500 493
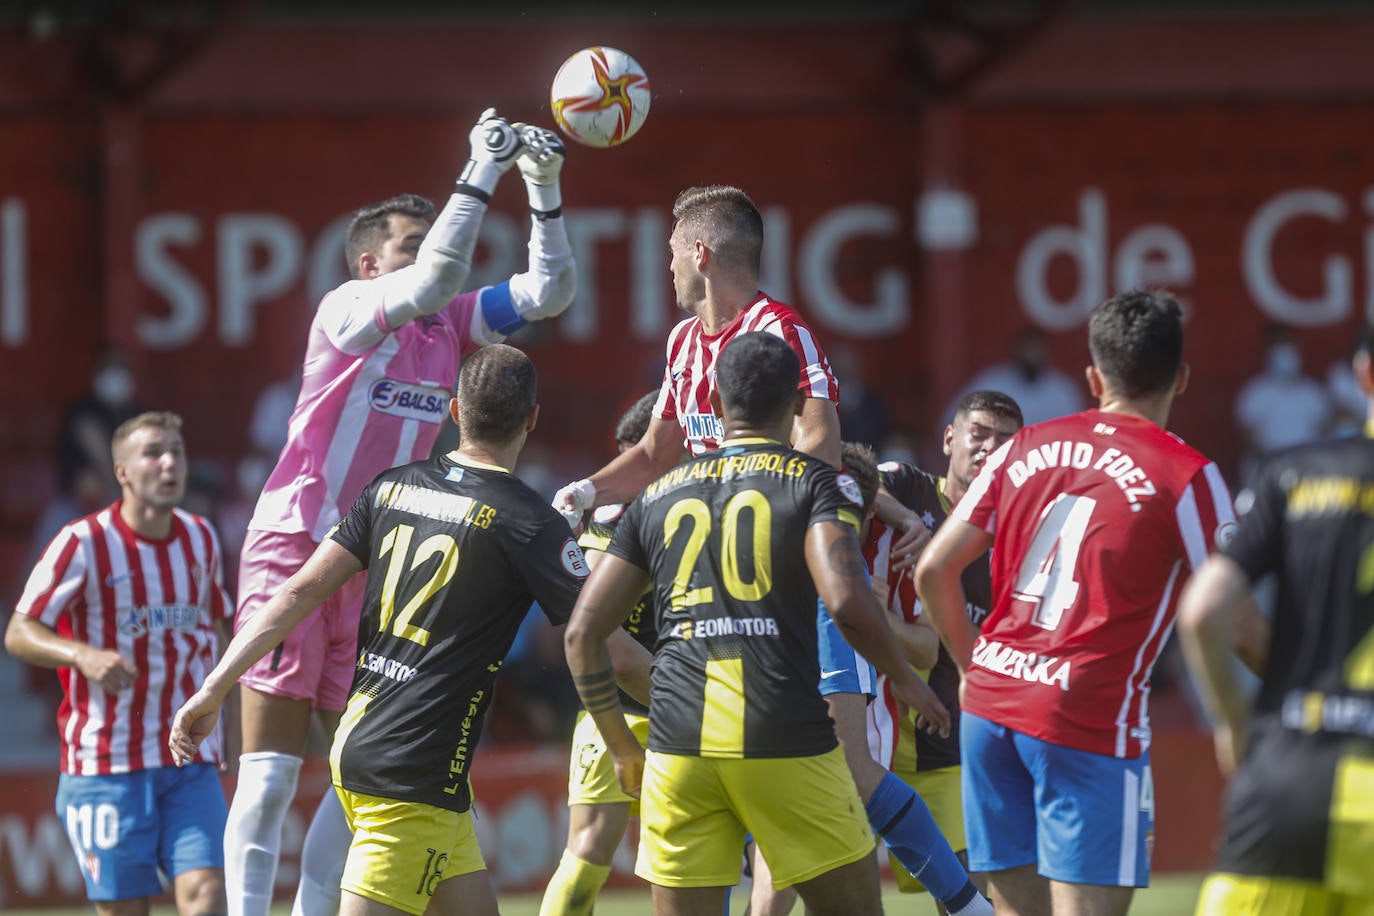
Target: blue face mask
1284 361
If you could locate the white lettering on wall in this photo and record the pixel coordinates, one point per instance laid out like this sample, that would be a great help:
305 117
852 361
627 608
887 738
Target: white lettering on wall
246 279
818 257
1150 255
1333 303
177 286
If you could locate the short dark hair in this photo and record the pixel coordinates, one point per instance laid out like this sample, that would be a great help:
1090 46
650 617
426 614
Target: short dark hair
634 423
497 389
857 459
1136 340
756 374
726 220
371 225
986 400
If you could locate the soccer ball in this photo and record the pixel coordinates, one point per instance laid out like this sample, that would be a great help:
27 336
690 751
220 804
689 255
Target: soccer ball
600 97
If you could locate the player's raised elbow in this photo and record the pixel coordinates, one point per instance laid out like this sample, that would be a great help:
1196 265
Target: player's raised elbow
539 294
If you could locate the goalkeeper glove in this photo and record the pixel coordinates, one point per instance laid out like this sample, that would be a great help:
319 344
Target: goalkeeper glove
540 161
494 148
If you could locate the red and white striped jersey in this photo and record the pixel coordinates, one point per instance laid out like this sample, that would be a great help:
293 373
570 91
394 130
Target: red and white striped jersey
153 602
1097 520
886 740
690 375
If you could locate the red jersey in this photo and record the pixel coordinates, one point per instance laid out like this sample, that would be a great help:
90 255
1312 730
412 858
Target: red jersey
154 603
1097 520
690 375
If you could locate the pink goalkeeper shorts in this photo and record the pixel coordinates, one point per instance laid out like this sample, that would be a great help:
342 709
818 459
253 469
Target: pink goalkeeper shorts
317 659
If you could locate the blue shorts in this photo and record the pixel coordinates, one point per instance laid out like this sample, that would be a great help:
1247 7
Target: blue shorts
1083 818
130 829
842 669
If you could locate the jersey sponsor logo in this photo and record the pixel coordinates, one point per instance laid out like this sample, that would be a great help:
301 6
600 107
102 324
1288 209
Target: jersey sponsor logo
889 467
386 667
409 402
702 426
1007 661
607 514
727 626
1310 712
850 488
138 621
573 560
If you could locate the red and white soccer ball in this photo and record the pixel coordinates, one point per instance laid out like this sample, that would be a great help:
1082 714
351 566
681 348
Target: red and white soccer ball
600 97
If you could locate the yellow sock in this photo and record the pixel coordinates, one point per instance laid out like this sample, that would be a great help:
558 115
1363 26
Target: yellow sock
572 889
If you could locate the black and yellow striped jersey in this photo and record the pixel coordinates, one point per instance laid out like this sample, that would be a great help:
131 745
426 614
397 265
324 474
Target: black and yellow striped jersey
455 554
735 672
640 623
1299 805
923 493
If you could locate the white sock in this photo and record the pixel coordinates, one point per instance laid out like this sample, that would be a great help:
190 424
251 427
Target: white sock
252 835
978 906
322 860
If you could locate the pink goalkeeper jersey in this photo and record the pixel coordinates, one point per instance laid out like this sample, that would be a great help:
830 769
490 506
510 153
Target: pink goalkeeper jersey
690 375
1097 519
371 399
153 602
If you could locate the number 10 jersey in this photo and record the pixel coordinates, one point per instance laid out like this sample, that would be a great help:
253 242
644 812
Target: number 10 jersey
1097 519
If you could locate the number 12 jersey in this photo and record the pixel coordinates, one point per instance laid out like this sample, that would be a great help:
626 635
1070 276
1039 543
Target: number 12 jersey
455 553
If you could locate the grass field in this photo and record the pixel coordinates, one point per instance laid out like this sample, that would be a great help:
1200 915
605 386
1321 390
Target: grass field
1171 895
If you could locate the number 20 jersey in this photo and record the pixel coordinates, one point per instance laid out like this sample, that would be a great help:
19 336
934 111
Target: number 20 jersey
455 553
1097 519
736 672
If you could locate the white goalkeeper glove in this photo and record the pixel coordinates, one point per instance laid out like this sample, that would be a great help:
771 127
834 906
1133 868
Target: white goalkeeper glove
540 160
494 148
575 499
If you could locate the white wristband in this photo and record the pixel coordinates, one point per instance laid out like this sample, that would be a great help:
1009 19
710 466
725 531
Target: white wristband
545 199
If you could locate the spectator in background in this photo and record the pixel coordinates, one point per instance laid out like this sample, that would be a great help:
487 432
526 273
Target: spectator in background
1043 391
1279 406
83 438
864 416
1348 402
272 413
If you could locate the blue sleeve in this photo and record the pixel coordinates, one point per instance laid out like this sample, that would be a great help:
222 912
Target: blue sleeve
498 309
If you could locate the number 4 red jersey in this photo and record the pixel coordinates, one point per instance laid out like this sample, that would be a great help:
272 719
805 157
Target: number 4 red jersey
1097 519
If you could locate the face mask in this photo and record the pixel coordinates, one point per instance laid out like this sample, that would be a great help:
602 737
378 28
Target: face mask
1284 361
114 386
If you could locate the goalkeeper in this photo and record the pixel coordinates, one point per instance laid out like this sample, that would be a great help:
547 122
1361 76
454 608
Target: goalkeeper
382 354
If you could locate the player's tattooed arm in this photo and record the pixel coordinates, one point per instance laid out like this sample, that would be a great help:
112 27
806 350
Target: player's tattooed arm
598 691
844 556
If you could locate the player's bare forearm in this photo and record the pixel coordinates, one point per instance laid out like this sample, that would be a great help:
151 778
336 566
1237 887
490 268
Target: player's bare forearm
631 471
816 430
939 583
34 642
606 600
912 537
328 568
919 642
1206 614
631 662
837 567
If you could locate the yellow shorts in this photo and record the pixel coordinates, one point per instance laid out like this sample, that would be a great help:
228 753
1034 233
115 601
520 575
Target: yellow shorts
1246 895
940 790
401 850
804 813
591 769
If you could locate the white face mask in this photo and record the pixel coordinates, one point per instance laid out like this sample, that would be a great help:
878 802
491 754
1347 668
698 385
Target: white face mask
114 386
1285 361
